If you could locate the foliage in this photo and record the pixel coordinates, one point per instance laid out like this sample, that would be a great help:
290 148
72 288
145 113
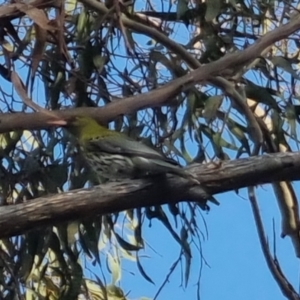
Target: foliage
91 54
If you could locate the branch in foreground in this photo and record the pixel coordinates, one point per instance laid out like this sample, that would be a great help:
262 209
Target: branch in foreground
129 194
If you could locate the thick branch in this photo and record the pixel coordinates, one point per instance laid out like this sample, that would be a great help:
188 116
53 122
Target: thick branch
113 197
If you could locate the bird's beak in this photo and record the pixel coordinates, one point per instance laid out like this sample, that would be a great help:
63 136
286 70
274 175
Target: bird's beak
57 122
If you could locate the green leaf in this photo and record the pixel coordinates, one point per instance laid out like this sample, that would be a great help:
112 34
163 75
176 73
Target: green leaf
187 256
213 8
212 105
125 245
182 8
115 268
261 94
142 271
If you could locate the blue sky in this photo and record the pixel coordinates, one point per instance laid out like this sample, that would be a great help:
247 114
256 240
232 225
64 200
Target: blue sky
237 269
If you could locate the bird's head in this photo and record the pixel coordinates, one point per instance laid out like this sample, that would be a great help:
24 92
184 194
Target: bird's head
84 127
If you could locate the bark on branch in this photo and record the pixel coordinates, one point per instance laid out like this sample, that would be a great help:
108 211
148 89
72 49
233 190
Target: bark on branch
129 194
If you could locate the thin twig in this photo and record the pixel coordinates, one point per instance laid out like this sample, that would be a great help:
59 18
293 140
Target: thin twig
285 286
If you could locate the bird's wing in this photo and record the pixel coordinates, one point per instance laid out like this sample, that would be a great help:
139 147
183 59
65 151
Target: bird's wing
127 147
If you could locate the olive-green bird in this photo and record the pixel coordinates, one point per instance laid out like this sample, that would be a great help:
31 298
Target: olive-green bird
115 156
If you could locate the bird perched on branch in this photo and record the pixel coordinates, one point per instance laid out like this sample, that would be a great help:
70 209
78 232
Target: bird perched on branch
115 156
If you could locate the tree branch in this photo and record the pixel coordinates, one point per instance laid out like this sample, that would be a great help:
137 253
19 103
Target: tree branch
159 96
285 286
129 194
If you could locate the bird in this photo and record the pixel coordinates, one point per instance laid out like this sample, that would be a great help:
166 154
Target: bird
115 156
